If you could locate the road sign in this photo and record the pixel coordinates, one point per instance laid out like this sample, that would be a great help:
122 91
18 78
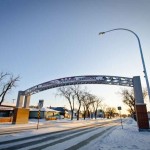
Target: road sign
119 108
40 104
38 116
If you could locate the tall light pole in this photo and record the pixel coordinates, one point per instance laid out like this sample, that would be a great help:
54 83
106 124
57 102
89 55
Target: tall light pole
144 68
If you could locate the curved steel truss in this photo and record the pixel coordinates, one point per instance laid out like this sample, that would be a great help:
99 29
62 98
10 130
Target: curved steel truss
87 79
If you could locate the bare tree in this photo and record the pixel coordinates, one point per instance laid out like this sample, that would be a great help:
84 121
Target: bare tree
87 101
103 107
110 112
129 100
91 99
68 94
79 95
83 103
72 93
83 98
96 103
7 82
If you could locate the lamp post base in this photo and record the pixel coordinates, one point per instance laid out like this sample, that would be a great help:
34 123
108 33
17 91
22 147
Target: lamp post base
142 117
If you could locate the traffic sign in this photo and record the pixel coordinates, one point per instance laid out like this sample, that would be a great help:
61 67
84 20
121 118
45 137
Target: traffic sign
119 108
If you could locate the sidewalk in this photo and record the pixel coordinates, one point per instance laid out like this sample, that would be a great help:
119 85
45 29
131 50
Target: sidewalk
122 139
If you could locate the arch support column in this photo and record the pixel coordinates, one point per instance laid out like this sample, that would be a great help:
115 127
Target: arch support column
21 112
20 99
140 107
27 101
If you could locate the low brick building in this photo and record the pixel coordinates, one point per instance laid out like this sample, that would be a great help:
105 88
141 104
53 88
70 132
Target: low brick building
44 113
6 112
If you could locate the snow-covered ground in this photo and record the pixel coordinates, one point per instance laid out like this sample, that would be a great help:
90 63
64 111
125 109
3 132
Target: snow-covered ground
122 139
116 139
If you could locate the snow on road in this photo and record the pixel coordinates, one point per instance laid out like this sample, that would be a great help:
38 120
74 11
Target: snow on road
57 125
115 139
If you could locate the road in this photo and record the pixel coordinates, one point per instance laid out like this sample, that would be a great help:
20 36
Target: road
70 139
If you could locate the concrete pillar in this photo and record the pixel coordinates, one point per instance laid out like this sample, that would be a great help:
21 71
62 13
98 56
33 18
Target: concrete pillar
20 99
142 117
140 107
138 90
21 115
27 101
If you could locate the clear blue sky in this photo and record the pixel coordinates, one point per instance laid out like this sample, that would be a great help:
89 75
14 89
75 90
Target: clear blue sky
42 40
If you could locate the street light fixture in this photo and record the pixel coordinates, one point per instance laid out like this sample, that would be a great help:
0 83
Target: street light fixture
144 68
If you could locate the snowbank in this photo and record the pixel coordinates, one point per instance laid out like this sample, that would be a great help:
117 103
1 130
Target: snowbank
122 139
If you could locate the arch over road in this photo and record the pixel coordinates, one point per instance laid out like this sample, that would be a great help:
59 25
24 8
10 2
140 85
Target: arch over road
87 79
21 112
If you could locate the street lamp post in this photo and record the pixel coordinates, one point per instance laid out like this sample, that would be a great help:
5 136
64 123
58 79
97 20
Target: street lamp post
144 68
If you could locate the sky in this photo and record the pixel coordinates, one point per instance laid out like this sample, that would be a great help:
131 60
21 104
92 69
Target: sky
42 40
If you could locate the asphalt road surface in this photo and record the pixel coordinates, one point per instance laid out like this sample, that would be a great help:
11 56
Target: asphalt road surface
71 139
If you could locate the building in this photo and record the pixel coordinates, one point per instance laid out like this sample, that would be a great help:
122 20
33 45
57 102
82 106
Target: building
63 111
6 112
45 113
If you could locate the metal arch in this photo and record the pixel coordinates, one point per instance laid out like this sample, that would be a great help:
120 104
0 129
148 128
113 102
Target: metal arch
87 79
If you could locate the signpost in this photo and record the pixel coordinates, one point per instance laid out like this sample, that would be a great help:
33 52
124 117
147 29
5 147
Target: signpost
38 118
40 105
119 108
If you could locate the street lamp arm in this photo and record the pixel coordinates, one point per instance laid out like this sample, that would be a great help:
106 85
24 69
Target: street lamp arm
141 53
121 29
